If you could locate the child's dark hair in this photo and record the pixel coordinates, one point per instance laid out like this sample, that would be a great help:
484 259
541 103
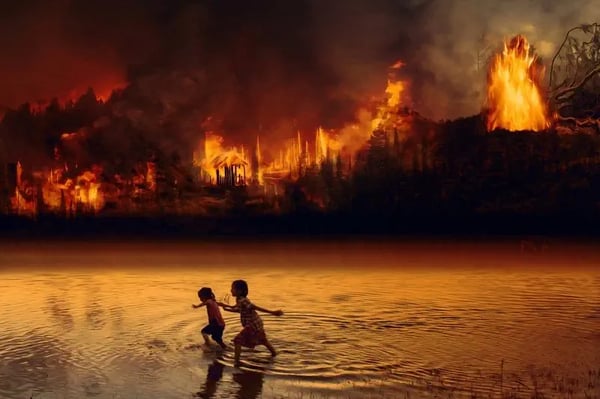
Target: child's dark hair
205 293
241 287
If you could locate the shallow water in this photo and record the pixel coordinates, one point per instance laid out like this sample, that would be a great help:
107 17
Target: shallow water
378 320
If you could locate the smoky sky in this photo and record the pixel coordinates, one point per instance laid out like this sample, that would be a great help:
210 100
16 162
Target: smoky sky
277 63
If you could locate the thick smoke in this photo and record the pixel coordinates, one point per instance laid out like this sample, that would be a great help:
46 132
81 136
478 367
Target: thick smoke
459 35
446 44
267 66
45 54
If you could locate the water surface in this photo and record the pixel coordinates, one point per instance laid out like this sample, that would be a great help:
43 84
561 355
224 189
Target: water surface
376 320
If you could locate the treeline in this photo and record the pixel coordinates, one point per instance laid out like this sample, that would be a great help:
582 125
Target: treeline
457 168
117 134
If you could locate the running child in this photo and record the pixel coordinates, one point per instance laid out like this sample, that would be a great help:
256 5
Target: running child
253 332
216 324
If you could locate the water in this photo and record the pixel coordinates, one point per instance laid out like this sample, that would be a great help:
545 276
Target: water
361 320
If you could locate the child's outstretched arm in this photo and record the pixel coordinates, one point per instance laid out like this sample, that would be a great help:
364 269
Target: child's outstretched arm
229 308
273 312
198 306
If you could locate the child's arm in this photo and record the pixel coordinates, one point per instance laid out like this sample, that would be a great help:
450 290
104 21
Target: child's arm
198 306
273 312
229 308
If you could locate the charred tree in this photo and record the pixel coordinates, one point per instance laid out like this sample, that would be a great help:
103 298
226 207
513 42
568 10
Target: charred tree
575 78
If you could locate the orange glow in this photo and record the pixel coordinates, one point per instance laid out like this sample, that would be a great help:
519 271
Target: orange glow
259 172
103 90
514 96
217 158
394 91
289 159
297 153
295 156
85 190
327 146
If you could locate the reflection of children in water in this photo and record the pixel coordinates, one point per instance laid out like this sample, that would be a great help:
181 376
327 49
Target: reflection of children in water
214 374
250 383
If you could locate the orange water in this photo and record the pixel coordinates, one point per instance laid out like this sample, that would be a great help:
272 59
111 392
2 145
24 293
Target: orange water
369 321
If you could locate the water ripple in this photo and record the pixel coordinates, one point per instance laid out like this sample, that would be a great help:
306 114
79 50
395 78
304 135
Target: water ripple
98 335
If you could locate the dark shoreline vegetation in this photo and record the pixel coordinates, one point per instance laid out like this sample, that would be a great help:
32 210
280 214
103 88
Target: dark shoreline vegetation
309 225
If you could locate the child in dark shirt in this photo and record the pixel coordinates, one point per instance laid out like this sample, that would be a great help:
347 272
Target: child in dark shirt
216 324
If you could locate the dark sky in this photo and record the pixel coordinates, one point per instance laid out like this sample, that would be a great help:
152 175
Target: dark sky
274 61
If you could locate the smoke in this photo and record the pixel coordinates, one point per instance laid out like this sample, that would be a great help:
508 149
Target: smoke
456 38
267 66
47 53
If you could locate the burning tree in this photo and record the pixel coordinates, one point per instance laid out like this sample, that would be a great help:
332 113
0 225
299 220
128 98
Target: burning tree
575 77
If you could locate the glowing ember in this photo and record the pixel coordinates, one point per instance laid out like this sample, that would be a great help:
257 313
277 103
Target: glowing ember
514 98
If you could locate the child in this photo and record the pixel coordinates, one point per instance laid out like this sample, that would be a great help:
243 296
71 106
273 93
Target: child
216 324
252 333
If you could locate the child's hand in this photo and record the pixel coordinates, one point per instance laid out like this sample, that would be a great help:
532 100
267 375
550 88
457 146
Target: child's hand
278 313
195 306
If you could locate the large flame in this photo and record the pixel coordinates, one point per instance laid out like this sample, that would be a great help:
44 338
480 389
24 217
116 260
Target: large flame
217 158
514 97
394 91
303 151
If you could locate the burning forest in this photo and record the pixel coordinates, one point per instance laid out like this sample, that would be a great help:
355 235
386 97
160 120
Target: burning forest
81 174
533 150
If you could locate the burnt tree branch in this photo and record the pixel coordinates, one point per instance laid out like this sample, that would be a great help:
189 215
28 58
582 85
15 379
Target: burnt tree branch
560 49
576 123
584 28
570 90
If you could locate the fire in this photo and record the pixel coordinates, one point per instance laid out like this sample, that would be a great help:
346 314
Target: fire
327 147
394 91
514 97
220 163
302 151
258 154
70 185
332 146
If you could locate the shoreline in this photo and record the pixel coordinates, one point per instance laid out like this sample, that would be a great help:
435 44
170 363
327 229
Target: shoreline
332 226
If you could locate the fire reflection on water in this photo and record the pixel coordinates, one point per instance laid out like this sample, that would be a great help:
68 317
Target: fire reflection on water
104 319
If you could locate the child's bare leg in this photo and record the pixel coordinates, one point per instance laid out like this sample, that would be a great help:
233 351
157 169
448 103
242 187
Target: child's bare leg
270 347
206 340
236 354
222 344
